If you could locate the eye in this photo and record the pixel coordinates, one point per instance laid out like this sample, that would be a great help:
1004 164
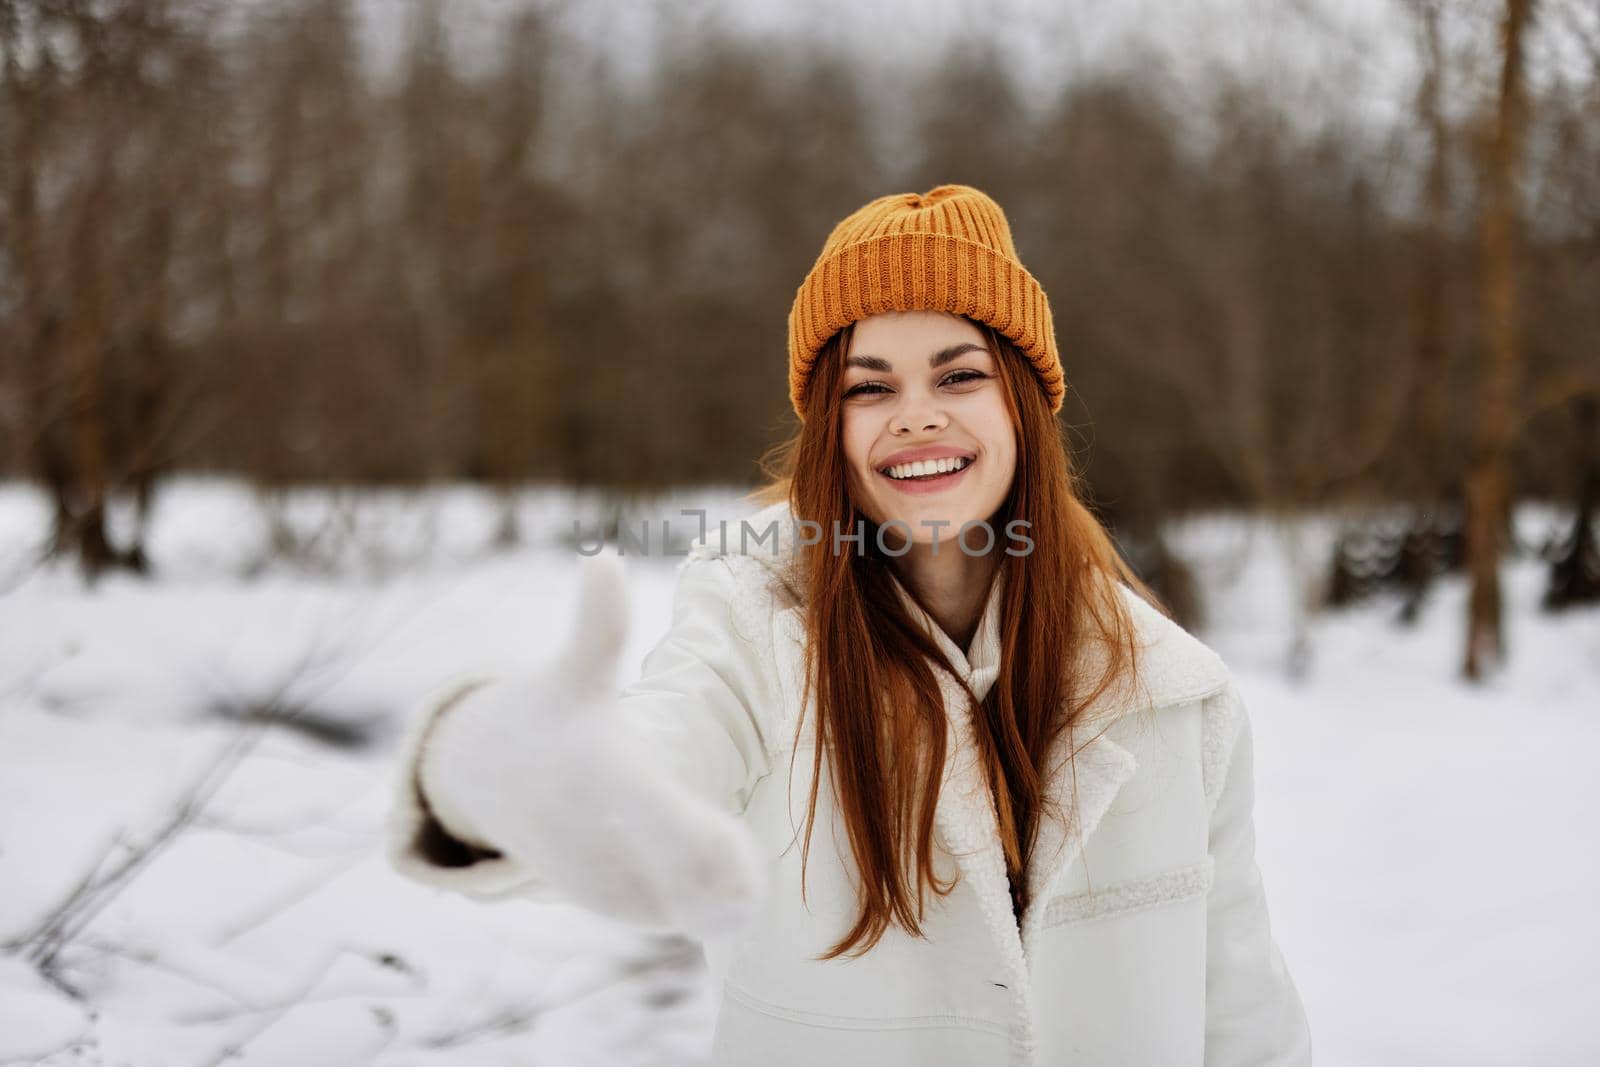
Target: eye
955 377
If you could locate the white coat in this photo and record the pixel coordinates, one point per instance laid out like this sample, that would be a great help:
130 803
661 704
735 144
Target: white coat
1147 940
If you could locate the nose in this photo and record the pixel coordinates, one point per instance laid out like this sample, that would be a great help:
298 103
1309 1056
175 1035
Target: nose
918 412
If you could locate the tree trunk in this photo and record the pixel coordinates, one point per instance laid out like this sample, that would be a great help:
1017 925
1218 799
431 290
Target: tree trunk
1488 481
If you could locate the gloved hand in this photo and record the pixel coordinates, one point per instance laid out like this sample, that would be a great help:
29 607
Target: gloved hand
542 766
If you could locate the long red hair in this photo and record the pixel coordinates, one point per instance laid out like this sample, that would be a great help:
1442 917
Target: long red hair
880 711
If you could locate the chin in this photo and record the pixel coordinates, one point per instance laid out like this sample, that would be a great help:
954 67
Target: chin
955 516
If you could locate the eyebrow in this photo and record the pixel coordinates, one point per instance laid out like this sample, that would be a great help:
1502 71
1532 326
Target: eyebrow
938 359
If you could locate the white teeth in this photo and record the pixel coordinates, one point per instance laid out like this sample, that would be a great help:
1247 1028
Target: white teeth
927 466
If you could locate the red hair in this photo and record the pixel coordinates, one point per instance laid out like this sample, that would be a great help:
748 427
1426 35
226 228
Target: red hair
871 667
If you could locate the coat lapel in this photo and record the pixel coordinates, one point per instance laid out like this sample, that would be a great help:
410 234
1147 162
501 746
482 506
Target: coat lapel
1174 668
965 818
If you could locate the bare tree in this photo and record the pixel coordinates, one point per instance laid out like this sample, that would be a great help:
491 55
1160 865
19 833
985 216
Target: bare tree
1423 550
1488 479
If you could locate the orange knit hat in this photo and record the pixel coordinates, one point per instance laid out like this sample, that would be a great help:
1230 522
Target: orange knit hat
948 249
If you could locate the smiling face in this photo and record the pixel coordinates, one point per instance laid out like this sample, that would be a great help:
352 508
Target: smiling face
927 434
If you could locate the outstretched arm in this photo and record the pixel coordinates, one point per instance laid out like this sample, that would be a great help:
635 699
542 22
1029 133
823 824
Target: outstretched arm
626 801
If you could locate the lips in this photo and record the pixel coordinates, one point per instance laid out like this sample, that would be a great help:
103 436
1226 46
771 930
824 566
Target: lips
926 452
934 484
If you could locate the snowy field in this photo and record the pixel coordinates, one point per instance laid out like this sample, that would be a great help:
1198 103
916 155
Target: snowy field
194 772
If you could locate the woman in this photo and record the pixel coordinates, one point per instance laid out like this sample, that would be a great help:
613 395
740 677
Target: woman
1035 789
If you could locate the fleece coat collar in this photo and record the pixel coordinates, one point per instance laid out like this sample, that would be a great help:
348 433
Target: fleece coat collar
1175 668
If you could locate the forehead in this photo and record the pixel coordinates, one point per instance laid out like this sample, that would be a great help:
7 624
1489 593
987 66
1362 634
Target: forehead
911 335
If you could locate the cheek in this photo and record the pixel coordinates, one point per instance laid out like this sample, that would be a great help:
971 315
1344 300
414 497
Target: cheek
1005 455
993 427
857 444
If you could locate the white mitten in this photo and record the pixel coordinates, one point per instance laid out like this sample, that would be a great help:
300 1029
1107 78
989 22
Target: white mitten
544 768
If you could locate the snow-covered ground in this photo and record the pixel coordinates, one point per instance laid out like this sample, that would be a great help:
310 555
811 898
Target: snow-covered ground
1426 844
